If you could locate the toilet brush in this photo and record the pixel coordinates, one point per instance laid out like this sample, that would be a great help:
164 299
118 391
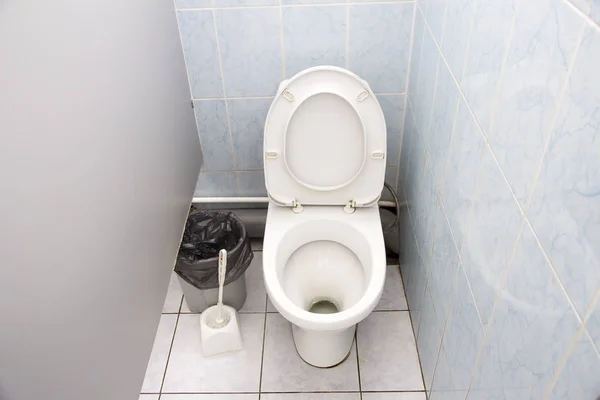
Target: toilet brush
219 325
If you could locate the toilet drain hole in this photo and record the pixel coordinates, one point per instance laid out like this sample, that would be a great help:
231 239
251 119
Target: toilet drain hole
323 306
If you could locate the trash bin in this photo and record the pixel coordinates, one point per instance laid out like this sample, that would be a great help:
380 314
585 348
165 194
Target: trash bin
205 234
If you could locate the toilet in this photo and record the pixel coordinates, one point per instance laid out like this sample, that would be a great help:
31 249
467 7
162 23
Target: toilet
323 252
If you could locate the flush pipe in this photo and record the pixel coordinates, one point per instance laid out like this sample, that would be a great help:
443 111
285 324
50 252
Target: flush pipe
261 200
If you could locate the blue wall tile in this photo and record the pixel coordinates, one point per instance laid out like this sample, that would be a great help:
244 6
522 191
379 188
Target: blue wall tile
495 225
415 58
442 387
489 39
544 41
251 183
459 18
462 172
464 335
216 184
245 3
436 15
429 339
423 100
391 177
213 129
249 39
442 122
579 377
595 11
201 53
379 44
532 328
247 118
444 264
564 206
393 111
314 36
593 324
180 4
426 210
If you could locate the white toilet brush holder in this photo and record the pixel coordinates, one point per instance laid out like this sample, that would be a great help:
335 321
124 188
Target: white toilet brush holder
219 325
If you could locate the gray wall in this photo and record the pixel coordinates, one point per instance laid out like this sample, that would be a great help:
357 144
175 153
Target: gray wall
501 166
98 161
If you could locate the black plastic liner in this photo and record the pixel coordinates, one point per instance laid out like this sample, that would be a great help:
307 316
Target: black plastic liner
205 234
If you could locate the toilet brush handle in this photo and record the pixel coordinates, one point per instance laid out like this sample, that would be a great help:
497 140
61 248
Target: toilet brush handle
222 270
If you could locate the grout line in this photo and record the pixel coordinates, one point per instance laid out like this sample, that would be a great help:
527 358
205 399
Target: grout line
262 356
223 86
162 383
357 361
281 40
585 15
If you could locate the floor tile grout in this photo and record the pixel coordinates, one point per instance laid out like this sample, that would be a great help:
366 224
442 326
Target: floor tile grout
262 357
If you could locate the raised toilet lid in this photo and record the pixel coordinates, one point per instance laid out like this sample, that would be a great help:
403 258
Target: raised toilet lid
325 140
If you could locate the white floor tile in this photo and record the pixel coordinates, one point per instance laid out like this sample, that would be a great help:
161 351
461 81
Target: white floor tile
149 397
394 396
174 295
189 371
310 396
387 353
393 298
160 353
285 371
197 396
256 293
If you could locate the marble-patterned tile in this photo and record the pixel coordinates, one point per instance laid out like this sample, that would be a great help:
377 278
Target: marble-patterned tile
436 16
595 11
393 298
387 353
463 336
462 172
247 118
216 184
213 130
593 324
443 387
406 246
495 225
442 122
207 396
532 328
415 293
313 36
182 4
583 5
189 371
310 396
444 264
415 155
459 19
393 111
160 353
426 211
174 296
245 3
251 183
415 58
249 40
489 39
544 42
379 44
429 339
566 199
427 81
201 53
394 396
578 378
284 370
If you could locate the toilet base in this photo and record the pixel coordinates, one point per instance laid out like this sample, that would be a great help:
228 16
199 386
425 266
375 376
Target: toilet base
323 349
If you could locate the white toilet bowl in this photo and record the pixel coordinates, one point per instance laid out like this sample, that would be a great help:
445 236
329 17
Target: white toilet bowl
323 251
324 271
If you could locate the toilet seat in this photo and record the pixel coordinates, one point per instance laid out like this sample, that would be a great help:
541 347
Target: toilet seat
324 140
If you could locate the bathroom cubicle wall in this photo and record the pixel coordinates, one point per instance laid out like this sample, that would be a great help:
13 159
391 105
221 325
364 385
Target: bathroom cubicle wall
500 168
237 52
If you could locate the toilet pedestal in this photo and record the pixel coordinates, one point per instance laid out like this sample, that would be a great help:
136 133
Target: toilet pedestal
323 348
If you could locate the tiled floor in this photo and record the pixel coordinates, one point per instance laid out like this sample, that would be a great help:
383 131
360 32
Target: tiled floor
383 363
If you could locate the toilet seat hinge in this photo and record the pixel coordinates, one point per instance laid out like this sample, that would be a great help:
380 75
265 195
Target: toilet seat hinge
297 207
350 207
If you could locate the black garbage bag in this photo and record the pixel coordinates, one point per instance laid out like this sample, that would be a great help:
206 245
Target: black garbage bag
205 234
